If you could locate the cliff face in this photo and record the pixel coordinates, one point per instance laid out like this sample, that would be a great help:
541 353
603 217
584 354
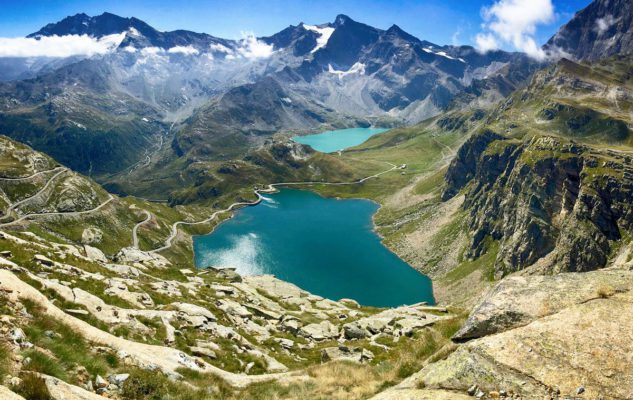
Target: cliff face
543 199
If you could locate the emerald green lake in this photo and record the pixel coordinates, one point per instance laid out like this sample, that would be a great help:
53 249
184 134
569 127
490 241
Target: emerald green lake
325 246
330 141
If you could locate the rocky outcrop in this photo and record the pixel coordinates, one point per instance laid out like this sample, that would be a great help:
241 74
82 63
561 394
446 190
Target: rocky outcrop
464 165
559 338
519 300
543 197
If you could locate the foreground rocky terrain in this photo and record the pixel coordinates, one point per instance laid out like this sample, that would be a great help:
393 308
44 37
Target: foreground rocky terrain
84 316
517 201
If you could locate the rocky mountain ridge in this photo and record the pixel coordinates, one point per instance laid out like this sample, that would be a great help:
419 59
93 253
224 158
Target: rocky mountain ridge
600 30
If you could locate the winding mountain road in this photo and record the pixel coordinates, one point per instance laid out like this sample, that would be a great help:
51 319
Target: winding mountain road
66 214
148 216
23 178
18 203
271 187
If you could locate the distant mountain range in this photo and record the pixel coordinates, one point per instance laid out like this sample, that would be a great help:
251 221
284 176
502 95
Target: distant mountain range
207 98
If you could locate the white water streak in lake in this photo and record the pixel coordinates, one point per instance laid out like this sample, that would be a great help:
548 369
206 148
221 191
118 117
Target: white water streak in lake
242 255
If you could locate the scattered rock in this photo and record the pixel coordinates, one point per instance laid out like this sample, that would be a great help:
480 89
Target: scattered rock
322 331
100 382
472 390
118 379
352 331
91 235
290 324
230 275
17 335
357 354
233 308
262 312
202 352
43 260
95 254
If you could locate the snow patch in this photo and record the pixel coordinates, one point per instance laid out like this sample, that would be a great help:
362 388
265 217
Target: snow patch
134 32
358 68
324 35
603 24
442 54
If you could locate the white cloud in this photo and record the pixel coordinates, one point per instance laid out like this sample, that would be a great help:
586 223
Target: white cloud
250 47
514 22
455 37
186 50
59 46
150 51
220 48
604 23
486 42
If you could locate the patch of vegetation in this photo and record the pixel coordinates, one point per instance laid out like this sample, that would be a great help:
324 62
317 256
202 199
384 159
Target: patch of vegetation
33 387
67 346
485 264
153 385
5 359
40 362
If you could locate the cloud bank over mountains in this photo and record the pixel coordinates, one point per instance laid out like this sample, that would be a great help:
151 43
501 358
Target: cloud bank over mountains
249 47
59 46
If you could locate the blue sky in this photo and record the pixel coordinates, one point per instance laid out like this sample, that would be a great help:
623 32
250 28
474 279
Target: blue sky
439 21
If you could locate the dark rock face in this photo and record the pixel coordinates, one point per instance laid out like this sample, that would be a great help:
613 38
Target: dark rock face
464 166
600 30
543 197
299 39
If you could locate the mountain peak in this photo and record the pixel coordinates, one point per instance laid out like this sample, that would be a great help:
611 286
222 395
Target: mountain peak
396 31
342 19
83 24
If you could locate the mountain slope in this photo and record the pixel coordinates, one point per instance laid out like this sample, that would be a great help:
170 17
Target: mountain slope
551 203
600 30
76 115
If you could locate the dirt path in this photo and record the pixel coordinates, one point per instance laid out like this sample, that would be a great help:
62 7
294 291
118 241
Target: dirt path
271 188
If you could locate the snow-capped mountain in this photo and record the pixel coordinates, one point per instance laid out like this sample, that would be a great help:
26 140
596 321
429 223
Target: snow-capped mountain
337 74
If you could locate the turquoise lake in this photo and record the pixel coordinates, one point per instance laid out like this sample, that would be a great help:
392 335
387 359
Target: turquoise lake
325 246
330 141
